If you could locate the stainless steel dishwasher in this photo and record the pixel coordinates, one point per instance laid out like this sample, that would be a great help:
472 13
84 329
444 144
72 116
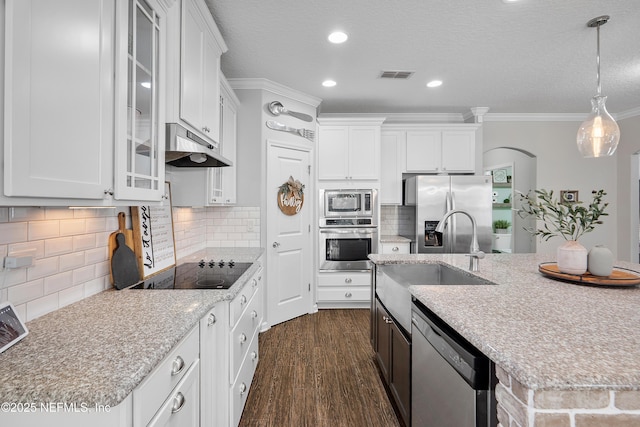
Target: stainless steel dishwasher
452 382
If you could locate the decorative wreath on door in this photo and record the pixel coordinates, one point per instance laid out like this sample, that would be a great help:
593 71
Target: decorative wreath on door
291 196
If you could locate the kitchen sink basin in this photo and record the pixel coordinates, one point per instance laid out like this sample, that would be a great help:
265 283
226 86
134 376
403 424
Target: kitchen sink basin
393 281
430 274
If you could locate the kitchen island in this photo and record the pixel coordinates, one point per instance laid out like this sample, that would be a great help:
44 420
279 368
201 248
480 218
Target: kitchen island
565 354
92 355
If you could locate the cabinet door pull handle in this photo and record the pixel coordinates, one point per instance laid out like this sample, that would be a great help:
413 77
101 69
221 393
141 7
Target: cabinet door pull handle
254 355
243 338
254 314
212 319
347 280
254 283
177 366
348 294
395 249
242 388
243 299
178 403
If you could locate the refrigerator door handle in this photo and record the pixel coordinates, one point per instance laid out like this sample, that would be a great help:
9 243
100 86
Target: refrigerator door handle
451 224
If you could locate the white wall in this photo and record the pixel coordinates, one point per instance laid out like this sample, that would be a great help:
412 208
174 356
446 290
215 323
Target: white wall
628 187
560 167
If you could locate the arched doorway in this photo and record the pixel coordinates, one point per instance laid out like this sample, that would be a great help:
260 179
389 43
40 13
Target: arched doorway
522 165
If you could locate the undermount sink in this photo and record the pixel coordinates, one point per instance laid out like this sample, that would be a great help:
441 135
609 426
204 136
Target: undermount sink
393 281
431 274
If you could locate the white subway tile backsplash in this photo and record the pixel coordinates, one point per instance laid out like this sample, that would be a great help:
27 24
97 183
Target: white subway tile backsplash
27 291
71 295
58 246
42 268
84 274
39 230
57 282
71 227
21 214
85 241
13 232
40 306
71 261
96 255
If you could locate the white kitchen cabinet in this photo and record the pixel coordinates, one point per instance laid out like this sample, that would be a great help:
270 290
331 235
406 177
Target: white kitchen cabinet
349 150
140 124
162 384
344 289
392 164
212 359
211 186
440 151
395 247
59 86
222 181
89 139
201 46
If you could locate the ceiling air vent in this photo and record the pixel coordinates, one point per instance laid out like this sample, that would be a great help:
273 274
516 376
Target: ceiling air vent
396 74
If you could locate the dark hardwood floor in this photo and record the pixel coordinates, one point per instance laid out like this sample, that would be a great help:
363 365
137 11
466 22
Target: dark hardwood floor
318 370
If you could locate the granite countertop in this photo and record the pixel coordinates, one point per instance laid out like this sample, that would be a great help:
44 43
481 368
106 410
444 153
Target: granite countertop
97 350
546 333
389 238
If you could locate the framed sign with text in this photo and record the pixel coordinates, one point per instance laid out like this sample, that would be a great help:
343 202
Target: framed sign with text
153 236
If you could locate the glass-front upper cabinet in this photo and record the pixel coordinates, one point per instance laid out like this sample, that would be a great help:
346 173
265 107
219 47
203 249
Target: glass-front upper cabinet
140 136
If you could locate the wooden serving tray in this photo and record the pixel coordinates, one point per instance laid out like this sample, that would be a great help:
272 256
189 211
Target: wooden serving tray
619 276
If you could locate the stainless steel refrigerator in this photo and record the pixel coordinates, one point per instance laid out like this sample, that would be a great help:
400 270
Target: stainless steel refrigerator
434 195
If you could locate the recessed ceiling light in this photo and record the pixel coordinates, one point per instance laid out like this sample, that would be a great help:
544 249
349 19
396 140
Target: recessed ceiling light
510 1
434 83
328 83
338 37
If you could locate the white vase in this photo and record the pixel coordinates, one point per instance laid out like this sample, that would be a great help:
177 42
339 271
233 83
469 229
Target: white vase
572 258
600 261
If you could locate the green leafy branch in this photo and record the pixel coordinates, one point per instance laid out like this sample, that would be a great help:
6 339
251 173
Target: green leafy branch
568 220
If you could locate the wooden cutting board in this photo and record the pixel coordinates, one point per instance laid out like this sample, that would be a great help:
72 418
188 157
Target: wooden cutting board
128 239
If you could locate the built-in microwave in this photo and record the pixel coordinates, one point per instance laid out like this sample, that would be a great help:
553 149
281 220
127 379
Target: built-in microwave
349 204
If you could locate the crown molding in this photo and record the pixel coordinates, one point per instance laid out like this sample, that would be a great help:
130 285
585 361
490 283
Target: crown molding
627 114
534 117
342 119
277 88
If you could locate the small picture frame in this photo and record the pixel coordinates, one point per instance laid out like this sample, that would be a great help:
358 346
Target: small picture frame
568 196
12 329
500 176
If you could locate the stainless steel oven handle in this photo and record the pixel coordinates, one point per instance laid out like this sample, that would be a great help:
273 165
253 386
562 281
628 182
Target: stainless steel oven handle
364 231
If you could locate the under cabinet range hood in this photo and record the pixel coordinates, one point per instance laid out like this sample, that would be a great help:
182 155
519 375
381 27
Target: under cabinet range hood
186 149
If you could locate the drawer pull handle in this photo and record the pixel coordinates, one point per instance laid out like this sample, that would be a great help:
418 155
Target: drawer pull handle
243 338
243 299
254 283
348 295
254 314
254 355
243 388
395 249
178 403
212 319
178 366
347 280
387 320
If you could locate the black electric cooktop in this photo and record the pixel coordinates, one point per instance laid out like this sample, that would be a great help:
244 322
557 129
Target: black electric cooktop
197 275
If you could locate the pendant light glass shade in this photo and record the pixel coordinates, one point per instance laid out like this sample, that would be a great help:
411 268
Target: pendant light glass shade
598 136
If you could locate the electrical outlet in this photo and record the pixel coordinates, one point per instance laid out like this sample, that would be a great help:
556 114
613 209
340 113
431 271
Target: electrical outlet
20 259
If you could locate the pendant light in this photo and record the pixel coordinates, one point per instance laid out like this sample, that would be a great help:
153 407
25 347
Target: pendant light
598 136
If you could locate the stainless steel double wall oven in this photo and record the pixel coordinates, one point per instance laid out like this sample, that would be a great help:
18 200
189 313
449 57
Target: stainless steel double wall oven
348 229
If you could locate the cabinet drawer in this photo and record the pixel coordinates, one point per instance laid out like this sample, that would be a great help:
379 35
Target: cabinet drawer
240 302
345 279
148 397
244 331
395 248
240 388
182 408
344 294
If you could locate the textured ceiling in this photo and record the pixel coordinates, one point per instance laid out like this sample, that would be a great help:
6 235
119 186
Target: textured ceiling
535 56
